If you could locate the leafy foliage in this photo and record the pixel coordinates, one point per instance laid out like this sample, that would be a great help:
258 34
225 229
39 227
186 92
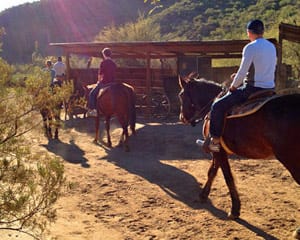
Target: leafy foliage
141 30
29 183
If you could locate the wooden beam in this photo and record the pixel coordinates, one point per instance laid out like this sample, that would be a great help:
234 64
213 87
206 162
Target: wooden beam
289 32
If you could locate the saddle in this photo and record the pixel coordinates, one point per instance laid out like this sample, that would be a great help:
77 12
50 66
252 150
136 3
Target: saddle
253 104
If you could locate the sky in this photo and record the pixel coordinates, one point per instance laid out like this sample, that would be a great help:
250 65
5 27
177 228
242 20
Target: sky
4 4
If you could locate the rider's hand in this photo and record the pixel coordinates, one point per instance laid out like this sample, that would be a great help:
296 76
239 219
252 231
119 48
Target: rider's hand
232 88
232 76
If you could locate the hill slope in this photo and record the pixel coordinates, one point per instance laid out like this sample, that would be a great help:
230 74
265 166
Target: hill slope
59 21
81 20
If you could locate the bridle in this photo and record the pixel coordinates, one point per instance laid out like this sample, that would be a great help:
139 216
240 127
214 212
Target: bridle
201 113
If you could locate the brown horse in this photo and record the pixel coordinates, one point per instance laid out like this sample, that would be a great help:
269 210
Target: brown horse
271 131
117 99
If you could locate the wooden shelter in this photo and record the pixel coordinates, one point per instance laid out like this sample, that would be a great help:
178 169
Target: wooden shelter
190 56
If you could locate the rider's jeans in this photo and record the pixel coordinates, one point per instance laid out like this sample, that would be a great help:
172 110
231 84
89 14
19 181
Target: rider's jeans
92 102
222 105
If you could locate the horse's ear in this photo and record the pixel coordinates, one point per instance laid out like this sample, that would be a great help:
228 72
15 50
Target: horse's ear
182 81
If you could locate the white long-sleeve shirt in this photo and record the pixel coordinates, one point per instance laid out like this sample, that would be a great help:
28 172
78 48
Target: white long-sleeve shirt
60 68
261 55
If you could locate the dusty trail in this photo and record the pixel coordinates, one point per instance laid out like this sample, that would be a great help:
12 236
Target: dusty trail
152 191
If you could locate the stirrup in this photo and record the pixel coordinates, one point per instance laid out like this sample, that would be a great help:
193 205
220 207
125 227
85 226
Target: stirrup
92 113
208 145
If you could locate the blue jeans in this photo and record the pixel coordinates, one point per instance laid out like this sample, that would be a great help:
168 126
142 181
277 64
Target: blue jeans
94 93
93 96
220 107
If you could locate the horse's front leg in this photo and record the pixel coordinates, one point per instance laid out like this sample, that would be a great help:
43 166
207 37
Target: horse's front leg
211 174
107 125
222 158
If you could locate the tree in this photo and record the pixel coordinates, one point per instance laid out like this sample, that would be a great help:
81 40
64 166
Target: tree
30 183
141 30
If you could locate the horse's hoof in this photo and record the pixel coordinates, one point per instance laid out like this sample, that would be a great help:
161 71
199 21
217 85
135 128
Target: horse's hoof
232 216
95 141
296 233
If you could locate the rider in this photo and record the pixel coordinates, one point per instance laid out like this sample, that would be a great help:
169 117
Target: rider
60 69
256 73
106 75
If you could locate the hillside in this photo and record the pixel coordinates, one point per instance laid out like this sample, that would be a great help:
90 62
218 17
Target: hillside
214 19
81 20
59 21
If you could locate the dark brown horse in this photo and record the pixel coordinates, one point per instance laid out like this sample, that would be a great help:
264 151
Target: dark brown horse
271 131
117 99
51 119
51 115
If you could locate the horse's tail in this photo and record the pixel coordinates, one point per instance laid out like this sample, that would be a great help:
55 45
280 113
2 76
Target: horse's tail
132 109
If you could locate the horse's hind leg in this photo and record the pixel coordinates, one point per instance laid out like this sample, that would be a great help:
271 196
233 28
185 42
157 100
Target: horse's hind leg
56 133
222 158
57 125
107 125
48 129
124 138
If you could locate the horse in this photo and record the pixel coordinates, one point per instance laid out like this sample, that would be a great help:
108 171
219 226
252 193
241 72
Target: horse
116 99
51 115
271 131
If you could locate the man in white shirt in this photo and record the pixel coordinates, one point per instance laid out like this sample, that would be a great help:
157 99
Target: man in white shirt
256 73
60 69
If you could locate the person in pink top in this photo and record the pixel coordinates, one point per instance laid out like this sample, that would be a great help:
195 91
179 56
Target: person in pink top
106 76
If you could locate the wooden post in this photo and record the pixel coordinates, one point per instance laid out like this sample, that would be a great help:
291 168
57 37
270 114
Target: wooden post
68 66
280 76
148 84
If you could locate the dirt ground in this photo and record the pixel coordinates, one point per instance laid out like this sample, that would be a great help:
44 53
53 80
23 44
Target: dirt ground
152 191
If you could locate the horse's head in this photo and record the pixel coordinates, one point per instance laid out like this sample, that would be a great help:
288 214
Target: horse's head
196 97
187 108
